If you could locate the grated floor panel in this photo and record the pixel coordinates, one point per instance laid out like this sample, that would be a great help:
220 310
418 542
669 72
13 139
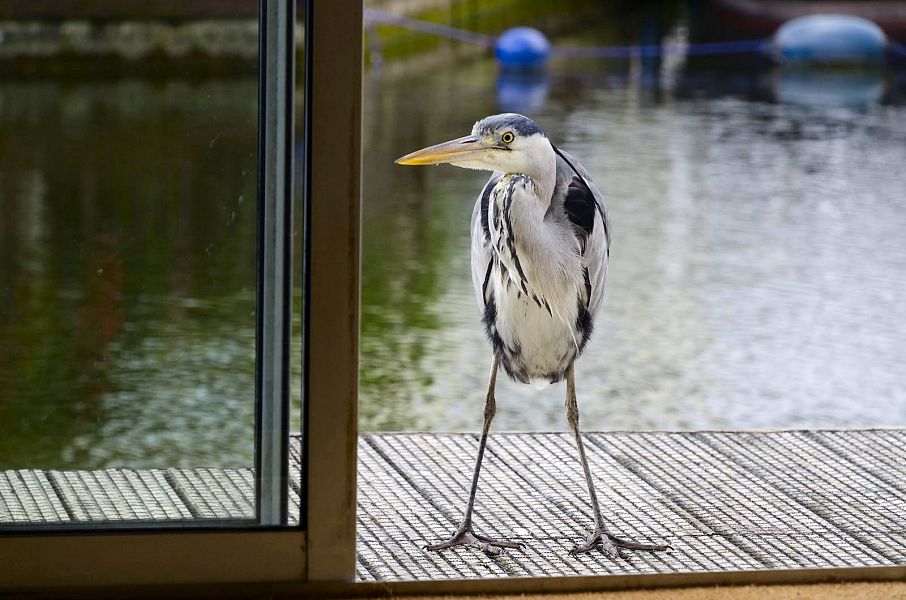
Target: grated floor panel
722 500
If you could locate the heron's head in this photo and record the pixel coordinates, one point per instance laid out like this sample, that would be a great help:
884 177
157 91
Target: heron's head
508 143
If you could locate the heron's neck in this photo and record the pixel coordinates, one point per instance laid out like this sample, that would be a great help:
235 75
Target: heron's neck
542 168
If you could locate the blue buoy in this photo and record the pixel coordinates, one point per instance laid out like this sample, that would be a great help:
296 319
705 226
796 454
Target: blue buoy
830 39
522 48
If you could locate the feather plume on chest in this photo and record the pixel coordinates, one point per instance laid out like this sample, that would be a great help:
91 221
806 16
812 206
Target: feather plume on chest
540 262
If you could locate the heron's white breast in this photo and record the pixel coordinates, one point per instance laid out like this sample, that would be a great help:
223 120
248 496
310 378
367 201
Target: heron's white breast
541 344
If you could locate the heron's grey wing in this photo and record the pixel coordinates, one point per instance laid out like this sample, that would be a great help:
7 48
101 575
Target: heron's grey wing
584 206
482 253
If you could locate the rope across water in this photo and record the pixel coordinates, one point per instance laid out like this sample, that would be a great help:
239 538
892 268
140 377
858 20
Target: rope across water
895 49
375 17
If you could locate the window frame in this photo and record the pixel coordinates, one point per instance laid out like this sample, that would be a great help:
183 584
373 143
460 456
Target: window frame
276 92
317 559
109 558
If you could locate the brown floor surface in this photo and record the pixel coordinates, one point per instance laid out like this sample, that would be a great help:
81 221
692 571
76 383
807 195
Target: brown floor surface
846 591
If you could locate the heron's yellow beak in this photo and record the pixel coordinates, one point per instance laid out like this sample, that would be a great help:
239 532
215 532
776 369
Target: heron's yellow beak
460 149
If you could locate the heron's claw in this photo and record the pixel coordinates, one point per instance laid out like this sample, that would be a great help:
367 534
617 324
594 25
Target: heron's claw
612 545
467 537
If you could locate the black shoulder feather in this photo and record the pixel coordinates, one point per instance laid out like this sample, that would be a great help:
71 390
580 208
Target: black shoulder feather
579 205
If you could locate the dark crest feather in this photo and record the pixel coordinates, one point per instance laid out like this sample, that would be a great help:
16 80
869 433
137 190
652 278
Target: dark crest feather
519 124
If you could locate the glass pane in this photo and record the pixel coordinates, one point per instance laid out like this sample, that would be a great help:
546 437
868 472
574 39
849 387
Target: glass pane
128 185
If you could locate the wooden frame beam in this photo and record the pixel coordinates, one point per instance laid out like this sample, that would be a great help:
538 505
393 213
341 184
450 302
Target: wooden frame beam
333 174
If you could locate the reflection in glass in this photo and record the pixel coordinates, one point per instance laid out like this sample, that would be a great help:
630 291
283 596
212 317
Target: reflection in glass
129 273
128 189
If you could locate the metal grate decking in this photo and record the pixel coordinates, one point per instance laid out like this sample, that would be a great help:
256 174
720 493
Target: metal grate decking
723 501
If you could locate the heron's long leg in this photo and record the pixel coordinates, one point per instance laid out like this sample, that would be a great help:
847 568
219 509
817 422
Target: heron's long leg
572 417
490 409
464 535
599 537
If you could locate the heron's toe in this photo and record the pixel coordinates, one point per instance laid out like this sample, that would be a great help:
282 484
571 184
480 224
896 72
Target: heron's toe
467 537
594 540
490 549
613 545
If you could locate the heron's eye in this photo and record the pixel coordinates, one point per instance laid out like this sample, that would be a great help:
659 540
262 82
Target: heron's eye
508 137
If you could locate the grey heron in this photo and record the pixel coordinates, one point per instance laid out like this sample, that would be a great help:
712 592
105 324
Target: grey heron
540 246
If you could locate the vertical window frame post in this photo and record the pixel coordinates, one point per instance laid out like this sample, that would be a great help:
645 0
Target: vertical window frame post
276 89
333 176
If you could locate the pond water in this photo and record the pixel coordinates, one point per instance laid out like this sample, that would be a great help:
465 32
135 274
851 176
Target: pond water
757 274
758 267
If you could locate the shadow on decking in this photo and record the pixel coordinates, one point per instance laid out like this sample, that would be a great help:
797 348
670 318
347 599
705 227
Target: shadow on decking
723 501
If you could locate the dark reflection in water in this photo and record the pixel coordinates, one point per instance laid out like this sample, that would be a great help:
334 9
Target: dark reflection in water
521 91
758 264
853 89
127 273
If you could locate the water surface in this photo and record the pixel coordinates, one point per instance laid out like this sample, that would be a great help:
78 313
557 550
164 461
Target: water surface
757 271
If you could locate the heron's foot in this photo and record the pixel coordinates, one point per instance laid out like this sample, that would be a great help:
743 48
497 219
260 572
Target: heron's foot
466 537
612 545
